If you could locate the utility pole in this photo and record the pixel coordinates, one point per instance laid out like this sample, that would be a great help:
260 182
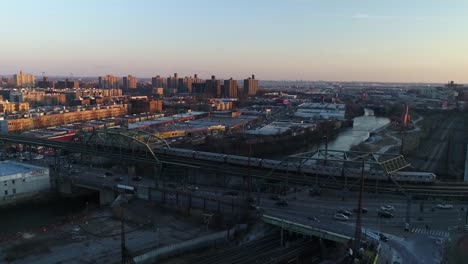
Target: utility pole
326 149
358 231
122 237
408 209
249 180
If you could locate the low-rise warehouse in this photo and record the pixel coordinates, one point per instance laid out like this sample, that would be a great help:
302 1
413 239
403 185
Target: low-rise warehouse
19 181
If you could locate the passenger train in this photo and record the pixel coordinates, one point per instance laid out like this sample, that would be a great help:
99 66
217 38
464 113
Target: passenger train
313 167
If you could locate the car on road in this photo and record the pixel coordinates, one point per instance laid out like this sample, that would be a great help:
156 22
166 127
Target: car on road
313 218
344 212
388 208
137 178
232 193
192 188
340 217
118 179
282 203
275 198
102 176
444 206
384 214
314 192
363 210
383 237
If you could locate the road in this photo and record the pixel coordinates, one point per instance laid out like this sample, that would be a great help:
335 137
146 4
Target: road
421 245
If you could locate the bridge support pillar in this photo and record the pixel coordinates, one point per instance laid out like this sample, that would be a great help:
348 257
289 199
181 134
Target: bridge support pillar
323 248
106 197
282 237
65 188
131 170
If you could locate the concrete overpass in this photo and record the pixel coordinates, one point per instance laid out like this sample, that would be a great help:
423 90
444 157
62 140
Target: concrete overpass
324 232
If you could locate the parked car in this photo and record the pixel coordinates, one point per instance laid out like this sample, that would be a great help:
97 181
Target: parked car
108 173
118 179
313 218
137 178
340 217
344 212
388 208
385 214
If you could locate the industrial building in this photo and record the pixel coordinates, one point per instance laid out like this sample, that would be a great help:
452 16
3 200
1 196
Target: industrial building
22 181
321 110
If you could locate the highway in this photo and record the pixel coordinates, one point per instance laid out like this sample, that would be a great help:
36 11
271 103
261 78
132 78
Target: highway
301 202
303 209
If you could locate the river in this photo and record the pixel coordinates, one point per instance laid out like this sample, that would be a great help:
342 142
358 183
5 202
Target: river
348 137
360 131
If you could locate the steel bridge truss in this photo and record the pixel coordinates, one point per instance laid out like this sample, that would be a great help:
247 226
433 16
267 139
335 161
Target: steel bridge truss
341 164
122 141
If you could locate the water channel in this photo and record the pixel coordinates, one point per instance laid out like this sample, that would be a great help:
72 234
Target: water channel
360 132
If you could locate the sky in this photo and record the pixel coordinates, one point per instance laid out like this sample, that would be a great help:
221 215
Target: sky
334 40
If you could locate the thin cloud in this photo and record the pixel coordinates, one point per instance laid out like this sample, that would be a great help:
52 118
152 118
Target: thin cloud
366 16
360 16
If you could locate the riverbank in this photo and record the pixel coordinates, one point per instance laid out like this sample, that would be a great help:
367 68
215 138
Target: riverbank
388 139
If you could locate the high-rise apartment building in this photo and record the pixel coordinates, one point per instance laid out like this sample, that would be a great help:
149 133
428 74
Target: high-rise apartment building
197 80
45 83
213 87
172 84
185 85
229 88
250 86
67 84
109 82
129 82
23 80
158 82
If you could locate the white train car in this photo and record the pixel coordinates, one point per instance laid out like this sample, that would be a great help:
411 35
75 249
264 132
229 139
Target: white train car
245 161
416 177
211 156
312 167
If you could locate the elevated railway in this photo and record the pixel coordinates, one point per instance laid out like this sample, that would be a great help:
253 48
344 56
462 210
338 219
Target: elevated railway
265 175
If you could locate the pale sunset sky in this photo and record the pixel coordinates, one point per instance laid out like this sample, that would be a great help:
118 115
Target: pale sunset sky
336 40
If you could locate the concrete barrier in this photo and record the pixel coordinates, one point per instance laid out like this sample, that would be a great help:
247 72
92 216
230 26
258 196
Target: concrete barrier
189 245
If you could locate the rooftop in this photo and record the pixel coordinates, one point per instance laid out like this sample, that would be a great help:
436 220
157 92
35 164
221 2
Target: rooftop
10 167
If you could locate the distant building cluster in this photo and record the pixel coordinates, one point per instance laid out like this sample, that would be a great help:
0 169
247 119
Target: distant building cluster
24 80
211 87
28 105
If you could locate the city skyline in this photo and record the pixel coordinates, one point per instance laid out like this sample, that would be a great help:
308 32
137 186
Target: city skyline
421 41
